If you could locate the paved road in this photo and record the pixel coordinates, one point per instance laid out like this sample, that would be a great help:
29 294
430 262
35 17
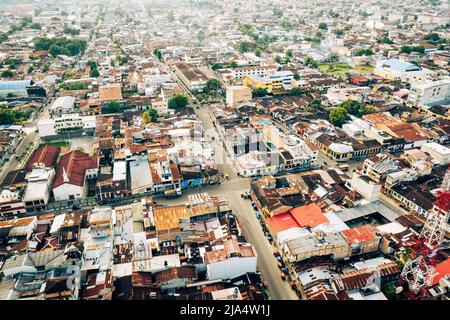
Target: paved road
31 137
232 189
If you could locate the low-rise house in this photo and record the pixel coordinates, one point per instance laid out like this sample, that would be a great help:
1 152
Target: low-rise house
11 203
361 239
37 192
62 105
316 245
74 171
46 155
230 260
192 77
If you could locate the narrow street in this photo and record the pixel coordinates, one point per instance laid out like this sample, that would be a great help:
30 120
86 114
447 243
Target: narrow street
30 137
231 189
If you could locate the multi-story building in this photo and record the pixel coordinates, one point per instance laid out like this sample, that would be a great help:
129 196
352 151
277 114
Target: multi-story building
66 123
237 94
258 71
275 82
192 78
430 92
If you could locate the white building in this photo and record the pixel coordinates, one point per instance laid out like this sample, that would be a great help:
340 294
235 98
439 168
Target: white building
230 260
62 105
65 123
37 191
394 69
430 92
74 169
11 203
258 71
438 152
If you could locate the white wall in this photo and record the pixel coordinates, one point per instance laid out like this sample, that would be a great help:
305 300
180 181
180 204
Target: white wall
46 127
370 191
63 192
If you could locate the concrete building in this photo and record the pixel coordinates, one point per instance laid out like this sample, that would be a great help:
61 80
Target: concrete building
258 71
430 92
440 153
275 82
62 105
66 123
319 244
230 260
193 78
237 94
74 170
140 176
397 70
11 203
37 192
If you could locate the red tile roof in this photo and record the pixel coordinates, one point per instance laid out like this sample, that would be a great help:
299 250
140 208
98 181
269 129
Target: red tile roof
442 269
170 274
46 155
309 215
281 222
75 164
359 234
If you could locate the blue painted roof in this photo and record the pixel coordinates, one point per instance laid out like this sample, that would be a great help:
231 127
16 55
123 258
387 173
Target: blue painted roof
400 66
14 85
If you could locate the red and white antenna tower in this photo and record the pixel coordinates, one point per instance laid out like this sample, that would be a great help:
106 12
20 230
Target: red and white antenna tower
419 271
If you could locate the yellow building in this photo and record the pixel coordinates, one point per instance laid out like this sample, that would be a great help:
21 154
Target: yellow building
276 82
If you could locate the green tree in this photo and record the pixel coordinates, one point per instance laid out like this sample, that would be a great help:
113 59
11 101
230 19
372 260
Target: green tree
278 59
3 37
112 107
7 74
419 49
389 291
277 12
246 29
92 64
355 108
323 26
232 64
310 62
213 84
334 56
296 91
287 25
406 49
338 116
94 73
6 116
153 115
73 49
146 117
36 26
259 92
433 37
178 101
55 50
244 47
314 105
296 76
385 40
